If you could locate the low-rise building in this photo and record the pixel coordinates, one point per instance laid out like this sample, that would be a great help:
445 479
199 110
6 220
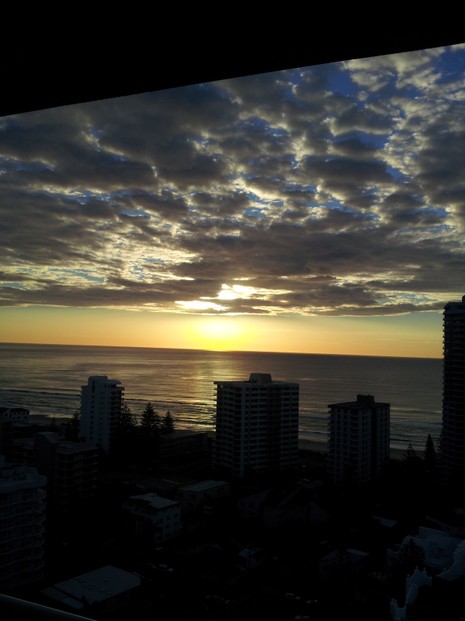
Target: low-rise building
71 468
14 414
196 495
107 592
153 518
183 445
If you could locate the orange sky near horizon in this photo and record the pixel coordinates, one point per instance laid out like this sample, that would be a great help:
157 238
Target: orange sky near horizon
417 335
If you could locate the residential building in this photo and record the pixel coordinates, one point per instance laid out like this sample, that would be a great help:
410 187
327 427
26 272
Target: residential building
196 495
348 561
71 469
7 438
359 439
453 399
435 589
257 426
183 445
101 401
154 519
22 525
105 593
14 414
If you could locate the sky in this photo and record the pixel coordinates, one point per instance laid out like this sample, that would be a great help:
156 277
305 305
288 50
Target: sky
317 210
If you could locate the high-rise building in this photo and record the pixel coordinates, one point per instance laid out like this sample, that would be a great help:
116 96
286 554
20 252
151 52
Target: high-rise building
22 525
359 440
101 401
257 425
453 393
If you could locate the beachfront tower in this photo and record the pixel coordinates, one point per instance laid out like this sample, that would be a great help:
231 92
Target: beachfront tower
101 401
453 393
359 439
257 426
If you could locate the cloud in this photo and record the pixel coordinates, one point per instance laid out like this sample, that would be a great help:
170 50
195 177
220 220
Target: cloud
336 189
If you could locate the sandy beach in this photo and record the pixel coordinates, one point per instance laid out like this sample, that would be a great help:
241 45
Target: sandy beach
320 447
304 444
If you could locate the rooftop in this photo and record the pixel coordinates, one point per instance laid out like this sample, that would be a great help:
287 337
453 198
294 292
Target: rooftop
95 586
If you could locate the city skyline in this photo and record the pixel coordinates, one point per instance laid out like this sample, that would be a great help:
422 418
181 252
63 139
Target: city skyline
314 210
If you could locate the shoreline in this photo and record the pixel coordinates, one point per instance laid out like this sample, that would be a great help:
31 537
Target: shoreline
305 444
320 447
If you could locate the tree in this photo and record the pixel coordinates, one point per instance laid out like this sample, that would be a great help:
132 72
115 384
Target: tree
127 421
124 449
410 456
167 424
430 454
150 420
148 443
411 555
413 469
72 432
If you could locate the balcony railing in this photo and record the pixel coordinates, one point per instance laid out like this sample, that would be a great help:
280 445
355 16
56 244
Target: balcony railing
14 609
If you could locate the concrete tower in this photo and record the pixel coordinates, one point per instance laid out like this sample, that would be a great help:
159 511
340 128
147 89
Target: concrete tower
257 425
101 401
359 440
453 393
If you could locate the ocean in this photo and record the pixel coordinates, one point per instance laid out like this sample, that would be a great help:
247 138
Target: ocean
47 379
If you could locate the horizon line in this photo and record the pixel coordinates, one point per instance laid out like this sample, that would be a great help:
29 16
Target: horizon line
224 351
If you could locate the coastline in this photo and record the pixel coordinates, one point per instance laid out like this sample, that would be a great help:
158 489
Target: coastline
305 444
320 447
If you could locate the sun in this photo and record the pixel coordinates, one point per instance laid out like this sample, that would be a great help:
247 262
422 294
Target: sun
219 333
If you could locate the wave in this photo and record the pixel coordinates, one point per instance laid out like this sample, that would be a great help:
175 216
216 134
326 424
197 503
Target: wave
47 381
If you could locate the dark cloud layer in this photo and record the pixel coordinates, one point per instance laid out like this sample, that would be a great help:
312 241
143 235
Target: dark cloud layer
337 189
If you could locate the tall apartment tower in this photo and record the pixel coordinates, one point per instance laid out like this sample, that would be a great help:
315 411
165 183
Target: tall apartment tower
101 401
453 393
359 440
22 525
257 426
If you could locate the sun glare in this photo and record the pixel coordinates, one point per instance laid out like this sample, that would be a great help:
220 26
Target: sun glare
220 333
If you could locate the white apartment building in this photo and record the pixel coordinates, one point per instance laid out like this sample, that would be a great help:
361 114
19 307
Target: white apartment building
101 401
22 525
359 440
257 425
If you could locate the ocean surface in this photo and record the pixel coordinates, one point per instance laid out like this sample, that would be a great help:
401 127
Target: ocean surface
47 380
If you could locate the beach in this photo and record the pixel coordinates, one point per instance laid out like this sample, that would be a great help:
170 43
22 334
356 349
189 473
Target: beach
321 447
